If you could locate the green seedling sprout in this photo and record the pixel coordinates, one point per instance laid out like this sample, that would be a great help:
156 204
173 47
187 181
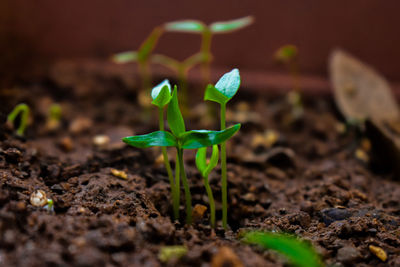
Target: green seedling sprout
181 68
54 116
206 32
181 139
50 205
298 252
168 253
24 110
142 57
205 169
161 95
288 55
222 92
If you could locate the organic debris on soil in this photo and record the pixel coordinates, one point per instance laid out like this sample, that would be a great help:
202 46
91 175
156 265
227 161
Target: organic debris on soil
307 182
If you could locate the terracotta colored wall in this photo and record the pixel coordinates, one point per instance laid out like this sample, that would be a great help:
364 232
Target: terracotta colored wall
367 28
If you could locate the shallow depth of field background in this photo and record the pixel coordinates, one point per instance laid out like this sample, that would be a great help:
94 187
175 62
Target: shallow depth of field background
48 29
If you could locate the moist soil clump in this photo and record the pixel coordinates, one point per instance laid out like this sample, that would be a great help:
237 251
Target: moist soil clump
309 180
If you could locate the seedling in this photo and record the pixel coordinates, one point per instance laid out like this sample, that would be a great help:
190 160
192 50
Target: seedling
168 253
205 169
54 117
222 92
181 68
24 110
49 206
207 31
288 55
298 252
180 139
142 57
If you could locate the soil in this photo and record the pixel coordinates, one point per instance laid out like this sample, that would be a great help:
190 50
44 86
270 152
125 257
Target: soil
313 182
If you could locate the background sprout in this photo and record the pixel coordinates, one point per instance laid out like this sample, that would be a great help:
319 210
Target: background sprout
171 252
181 139
198 27
24 110
288 55
142 57
54 117
221 93
205 169
181 68
298 252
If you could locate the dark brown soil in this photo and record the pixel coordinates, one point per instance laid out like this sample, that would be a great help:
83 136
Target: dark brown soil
309 183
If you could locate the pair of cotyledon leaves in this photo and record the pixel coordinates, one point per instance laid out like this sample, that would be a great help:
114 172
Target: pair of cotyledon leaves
224 90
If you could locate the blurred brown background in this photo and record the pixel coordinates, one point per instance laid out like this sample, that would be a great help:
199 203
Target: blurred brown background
75 29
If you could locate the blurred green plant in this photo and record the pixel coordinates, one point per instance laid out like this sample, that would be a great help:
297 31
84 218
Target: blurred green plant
54 117
298 252
168 253
24 110
142 57
206 32
222 92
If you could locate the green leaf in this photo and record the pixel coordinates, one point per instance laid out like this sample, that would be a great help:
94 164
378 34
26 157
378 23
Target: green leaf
229 83
297 251
148 45
125 57
212 94
158 138
161 94
190 26
231 25
286 53
174 115
201 160
203 138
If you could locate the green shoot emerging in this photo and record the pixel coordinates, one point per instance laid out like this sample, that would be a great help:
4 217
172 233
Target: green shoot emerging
205 169
180 139
54 117
221 93
168 253
288 55
298 252
198 27
142 57
181 68
24 110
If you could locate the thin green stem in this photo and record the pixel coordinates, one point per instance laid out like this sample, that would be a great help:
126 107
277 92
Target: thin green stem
188 196
168 166
210 200
206 53
177 187
24 110
224 183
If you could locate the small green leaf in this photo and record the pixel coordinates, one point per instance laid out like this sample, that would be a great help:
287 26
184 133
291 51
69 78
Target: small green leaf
125 57
158 138
203 138
174 115
229 83
212 94
231 25
190 26
297 251
201 160
286 53
168 253
161 94
148 45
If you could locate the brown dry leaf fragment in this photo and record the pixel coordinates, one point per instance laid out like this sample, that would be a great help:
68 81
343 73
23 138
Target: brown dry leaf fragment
370 95
119 174
377 251
226 257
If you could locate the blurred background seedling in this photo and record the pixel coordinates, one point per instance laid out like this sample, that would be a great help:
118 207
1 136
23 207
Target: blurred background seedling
142 57
24 110
54 117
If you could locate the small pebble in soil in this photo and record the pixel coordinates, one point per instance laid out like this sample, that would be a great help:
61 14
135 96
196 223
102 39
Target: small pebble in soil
198 212
101 140
38 198
119 174
331 215
348 254
361 155
379 252
225 257
66 144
